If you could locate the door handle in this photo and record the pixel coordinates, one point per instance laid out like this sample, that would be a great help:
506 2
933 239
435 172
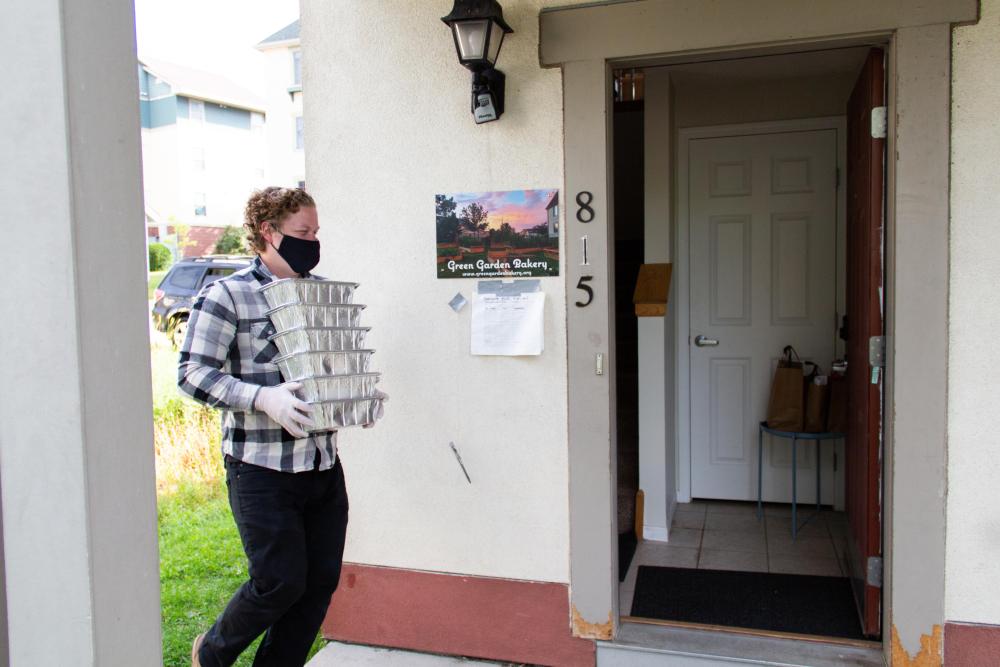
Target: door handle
704 341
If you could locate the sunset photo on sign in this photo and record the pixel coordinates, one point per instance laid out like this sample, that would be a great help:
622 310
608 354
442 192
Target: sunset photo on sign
512 233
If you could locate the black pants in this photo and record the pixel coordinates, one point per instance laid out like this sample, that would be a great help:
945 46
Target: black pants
293 527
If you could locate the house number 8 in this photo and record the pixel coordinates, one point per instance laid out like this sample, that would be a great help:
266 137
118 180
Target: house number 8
585 213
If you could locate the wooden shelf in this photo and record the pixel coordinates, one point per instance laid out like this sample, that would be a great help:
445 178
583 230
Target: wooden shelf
651 290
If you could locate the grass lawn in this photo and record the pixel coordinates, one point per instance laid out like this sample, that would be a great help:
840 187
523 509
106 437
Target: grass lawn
163 361
155 277
201 557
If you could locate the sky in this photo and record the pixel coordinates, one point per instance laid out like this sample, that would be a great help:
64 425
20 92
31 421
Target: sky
519 208
213 35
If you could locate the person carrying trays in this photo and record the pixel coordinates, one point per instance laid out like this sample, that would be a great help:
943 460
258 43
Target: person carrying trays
286 486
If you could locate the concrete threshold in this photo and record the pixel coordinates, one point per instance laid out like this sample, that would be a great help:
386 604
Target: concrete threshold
338 654
647 645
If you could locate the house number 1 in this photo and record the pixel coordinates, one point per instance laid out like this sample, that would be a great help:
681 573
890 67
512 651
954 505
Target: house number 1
585 213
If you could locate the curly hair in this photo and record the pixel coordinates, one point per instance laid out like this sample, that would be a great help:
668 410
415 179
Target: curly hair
271 205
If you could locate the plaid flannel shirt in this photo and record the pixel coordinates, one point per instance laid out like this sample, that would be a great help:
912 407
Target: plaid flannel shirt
226 358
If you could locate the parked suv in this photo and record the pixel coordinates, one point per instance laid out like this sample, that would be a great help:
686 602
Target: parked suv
173 299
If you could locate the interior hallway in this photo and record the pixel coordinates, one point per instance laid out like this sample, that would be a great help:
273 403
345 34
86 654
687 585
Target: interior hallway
723 535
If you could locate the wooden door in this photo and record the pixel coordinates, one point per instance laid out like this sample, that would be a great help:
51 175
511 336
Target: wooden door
865 180
762 229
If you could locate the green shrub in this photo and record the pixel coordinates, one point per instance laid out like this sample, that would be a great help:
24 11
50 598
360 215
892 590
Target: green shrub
231 242
448 252
160 258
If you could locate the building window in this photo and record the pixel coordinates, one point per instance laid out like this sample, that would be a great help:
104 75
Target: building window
199 204
297 67
198 159
256 122
299 143
196 110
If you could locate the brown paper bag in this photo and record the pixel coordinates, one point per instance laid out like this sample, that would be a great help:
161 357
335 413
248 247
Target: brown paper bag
836 419
785 407
817 396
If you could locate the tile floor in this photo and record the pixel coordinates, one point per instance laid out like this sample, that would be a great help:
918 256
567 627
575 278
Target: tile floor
721 535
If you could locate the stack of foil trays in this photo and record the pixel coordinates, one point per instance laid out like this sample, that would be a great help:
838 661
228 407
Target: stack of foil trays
322 346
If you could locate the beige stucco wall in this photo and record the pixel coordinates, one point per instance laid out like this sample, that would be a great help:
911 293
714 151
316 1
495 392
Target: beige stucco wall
387 128
374 164
973 535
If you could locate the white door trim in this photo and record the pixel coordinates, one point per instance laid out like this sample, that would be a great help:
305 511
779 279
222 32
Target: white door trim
682 378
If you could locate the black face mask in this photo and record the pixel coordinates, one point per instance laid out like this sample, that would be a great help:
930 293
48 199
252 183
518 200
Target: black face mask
302 255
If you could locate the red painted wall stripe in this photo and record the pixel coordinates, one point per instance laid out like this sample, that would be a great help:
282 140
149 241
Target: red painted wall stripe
968 645
496 619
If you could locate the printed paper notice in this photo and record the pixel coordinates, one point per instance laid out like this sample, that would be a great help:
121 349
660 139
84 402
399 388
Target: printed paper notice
508 325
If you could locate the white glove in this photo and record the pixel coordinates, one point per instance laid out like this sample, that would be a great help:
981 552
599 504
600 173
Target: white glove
380 409
283 406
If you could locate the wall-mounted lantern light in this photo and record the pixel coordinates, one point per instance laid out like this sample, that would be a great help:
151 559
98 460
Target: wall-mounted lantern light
478 28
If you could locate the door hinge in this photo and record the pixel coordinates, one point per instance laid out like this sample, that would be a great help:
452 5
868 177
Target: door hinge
876 351
874 575
835 462
879 122
836 181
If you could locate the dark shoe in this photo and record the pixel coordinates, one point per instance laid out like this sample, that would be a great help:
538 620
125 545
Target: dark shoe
195 647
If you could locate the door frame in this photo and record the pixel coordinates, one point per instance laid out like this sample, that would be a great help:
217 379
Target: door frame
682 262
585 41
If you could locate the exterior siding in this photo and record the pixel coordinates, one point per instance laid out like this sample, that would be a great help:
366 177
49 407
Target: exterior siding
381 143
222 115
159 112
158 88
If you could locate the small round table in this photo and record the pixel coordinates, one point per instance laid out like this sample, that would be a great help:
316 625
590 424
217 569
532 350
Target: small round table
794 436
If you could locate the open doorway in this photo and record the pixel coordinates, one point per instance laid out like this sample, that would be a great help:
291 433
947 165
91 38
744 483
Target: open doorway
629 253
775 236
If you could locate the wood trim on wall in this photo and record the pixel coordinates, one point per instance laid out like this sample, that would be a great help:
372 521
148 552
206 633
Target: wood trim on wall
481 617
646 28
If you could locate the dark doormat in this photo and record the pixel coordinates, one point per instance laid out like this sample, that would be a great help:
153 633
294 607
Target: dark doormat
626 550
762 601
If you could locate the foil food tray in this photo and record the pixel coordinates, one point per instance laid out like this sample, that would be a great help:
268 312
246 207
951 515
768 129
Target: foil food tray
320 338
315 315
339 387
305 290
301 365
330 415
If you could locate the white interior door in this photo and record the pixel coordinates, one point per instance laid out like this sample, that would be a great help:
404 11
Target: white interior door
762 225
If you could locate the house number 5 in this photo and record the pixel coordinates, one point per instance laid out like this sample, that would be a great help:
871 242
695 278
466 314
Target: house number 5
586 289
585 213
